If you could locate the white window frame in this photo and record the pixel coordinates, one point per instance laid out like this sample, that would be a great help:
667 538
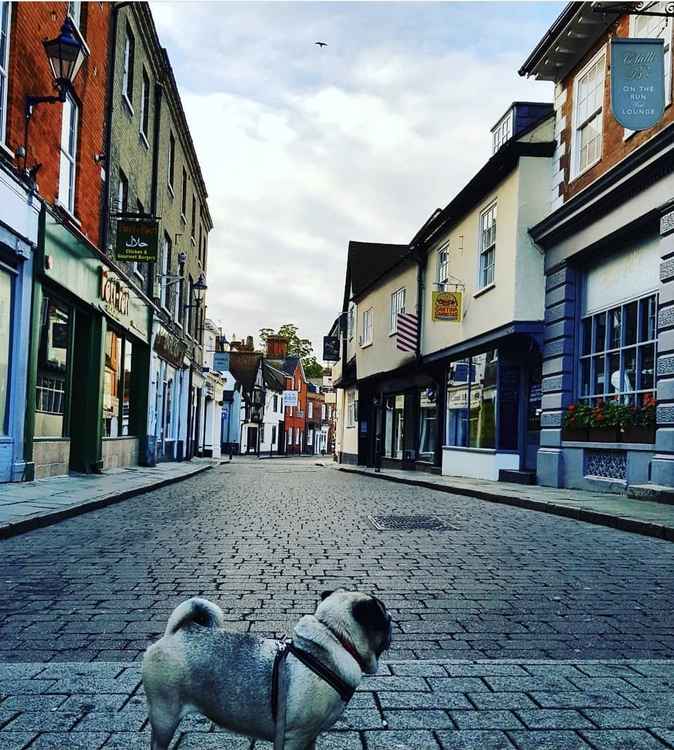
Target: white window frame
177 312
144 106
163 281
368 326
483 280
68 159
351 408
5 33
597 113
128 66
171 171
503 132
75 12
122 192
310 409
398 299
442 274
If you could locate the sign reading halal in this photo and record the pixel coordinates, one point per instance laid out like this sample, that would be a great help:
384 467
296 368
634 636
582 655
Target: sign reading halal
447 306
137 240
637 82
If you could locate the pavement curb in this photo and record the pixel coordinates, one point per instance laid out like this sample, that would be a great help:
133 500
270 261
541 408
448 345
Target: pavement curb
49 519
623 523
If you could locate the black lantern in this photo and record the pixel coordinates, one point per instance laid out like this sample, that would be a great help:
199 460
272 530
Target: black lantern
66 54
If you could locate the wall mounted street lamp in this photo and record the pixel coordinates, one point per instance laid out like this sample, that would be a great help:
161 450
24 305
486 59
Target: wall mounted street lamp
199 287
65 54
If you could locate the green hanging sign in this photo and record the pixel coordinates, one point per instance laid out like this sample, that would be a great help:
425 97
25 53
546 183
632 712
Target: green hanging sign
137 240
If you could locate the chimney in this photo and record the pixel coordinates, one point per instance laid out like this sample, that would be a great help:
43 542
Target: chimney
249 344
277 347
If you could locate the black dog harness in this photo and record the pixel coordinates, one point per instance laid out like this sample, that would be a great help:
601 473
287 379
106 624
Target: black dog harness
311 662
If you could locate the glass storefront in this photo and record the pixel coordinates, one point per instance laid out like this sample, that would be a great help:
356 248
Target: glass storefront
5 339
394 419
52 366
471 401
428 418
117 381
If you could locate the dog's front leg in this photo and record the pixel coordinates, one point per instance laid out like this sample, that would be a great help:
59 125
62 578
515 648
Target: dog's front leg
301 742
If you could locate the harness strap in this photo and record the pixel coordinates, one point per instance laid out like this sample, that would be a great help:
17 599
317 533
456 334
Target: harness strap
326 674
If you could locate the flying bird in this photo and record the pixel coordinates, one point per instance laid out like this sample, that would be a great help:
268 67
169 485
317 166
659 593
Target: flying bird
321 44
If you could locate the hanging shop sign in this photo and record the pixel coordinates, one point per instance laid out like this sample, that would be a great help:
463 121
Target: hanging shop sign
115 294
137 240
447 306
331 348
289 398
170 347
637 82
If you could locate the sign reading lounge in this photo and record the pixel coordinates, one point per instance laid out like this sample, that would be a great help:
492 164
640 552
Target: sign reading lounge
637 82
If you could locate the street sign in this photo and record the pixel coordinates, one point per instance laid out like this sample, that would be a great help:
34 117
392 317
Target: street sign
331 348
447 306
289 398
637 82
137 240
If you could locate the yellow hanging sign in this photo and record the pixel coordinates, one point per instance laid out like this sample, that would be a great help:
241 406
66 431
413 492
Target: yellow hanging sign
447 306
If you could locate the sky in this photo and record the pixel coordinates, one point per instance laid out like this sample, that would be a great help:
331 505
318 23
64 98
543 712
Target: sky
304 148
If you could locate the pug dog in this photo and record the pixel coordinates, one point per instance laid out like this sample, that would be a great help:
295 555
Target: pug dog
197 666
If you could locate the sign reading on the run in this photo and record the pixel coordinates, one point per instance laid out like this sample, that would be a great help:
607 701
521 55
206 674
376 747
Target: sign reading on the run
637 82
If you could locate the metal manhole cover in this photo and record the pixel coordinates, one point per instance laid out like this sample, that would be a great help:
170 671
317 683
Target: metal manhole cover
404 523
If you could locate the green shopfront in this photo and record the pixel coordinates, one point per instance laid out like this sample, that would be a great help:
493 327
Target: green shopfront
89 360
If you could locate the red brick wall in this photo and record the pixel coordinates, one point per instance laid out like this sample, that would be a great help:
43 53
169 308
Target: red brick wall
29 74
296 421
614 145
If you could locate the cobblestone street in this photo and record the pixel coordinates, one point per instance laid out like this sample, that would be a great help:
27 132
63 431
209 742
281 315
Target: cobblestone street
263 538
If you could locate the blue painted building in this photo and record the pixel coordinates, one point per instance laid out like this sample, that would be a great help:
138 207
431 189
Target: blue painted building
19 220
231 405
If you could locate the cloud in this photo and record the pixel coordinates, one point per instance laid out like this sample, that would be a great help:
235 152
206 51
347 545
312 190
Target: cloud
304 148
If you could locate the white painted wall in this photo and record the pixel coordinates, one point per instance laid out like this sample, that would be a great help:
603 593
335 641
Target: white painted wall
477 464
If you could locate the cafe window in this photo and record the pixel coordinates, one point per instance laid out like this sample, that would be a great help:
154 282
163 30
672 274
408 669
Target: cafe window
428 417
618 352
5 337
118 414
52 369
471 401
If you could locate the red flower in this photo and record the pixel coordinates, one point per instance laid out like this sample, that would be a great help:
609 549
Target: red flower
572 407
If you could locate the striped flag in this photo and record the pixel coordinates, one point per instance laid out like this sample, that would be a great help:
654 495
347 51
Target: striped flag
406 334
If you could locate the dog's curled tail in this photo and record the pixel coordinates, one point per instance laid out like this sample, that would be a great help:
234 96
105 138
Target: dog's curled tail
196 610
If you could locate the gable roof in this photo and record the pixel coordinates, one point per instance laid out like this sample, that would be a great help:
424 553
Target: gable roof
367 262
273 378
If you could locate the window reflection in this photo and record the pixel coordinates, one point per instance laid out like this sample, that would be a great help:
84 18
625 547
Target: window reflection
52 366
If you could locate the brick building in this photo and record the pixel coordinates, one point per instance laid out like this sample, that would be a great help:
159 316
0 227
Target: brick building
294 417
608 244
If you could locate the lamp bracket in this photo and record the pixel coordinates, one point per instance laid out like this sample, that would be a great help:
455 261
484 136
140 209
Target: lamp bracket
635 9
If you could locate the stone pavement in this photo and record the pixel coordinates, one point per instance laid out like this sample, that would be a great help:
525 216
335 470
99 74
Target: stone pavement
441 705
28 505
645 517
263 539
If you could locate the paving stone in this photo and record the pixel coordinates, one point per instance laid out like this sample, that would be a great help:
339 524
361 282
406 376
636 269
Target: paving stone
582 699
221 741
397 740
549 740
424 700
506 701
417 719
420 669
71 741
527 684
485 720
457 684
33 703
130 741
357 719
484 669
16 740
623 740
339 741
42 721
545 718
394 683
474 740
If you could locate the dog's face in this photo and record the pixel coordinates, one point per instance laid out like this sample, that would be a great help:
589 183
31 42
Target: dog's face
360 618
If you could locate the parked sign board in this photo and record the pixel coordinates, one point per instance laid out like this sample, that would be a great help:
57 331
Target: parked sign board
637 82
289 398
447 306
137 240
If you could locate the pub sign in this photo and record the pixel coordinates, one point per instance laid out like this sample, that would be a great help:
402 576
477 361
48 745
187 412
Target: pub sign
137 240
637 82
290 398
447 306
331 348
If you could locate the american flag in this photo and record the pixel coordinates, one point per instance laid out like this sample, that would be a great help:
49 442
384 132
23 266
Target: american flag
406 333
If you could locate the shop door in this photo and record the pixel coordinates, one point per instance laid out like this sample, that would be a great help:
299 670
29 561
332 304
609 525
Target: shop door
161 411
251 441
281 437
534 395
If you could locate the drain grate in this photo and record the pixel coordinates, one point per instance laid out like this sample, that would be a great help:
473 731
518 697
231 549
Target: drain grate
404 523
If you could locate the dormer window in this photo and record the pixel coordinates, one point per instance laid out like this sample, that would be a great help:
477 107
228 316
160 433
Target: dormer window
503 131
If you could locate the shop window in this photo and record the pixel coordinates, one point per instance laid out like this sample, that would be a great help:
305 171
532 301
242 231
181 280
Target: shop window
471 401
394 420
428 417
52 369
5 338
117 386
618 352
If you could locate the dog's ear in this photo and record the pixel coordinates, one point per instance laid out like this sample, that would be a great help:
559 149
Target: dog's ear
370 614
325 595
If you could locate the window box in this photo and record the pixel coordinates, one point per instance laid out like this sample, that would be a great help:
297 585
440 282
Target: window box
601 435
638 435
575 435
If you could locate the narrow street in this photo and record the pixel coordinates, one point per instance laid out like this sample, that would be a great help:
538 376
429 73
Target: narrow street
264 538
